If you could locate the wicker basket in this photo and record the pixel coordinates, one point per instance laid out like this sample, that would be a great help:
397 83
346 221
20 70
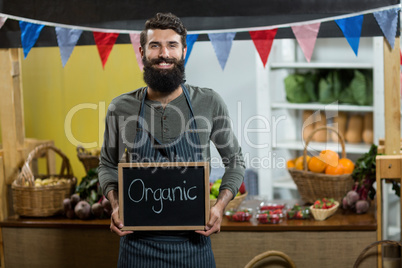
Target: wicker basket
89 161
323 214
313 186
234 204
41 201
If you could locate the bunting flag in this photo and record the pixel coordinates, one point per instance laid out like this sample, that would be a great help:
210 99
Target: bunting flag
263 42
352 29
135 42
29 35
387 20
105 43
2 21
67 39
190 40
222 43
306 35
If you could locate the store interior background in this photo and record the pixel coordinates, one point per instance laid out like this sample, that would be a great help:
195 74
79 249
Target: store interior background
51 93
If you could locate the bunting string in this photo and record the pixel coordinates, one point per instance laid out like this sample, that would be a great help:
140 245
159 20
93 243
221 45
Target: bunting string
286 25
221 39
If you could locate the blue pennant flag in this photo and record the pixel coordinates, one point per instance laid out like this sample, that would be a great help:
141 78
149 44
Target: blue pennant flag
352 29
190 40
29 35
222 43
67 39
387 20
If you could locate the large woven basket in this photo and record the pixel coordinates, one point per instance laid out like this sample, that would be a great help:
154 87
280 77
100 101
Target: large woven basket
313 186
87 159
42 201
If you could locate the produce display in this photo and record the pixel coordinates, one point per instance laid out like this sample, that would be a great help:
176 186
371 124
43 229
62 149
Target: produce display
49 182
324 203
298 212
324 208
239 215
88 201
75 207
328 86
270 216
327 162
271 206
214 189
353 201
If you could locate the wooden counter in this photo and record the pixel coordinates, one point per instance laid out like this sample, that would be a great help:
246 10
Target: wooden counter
59 242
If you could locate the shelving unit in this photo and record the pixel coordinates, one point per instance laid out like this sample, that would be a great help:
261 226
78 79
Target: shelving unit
284 138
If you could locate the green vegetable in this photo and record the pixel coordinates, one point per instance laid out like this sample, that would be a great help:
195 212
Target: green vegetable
89 188
364 175
328 86
295 91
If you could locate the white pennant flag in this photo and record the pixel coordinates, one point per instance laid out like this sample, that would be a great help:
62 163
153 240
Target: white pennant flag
2 21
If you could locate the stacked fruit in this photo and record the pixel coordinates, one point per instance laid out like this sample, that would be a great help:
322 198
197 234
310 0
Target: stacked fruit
327 162
239 215
271 216
298 212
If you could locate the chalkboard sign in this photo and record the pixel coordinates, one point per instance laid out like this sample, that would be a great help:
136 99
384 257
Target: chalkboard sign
164 196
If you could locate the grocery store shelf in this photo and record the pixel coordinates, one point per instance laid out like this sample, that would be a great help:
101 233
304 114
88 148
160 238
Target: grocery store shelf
320 65
359 148
319 106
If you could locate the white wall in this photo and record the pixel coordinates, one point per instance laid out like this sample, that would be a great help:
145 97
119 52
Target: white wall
236 84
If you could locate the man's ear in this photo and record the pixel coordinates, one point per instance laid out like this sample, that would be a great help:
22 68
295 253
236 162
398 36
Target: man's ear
141 51
184 52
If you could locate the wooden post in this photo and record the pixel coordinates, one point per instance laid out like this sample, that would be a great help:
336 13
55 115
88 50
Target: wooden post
392 98
390 165
12 118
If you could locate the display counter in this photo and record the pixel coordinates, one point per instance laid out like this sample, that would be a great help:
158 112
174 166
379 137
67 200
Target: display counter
60 242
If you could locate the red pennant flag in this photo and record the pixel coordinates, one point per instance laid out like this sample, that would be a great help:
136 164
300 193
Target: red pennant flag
263 42
105 43
400 56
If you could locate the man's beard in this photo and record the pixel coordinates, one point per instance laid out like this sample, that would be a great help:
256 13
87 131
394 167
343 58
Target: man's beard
163 80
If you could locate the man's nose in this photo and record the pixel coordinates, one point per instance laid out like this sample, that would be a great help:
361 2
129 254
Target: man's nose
164 52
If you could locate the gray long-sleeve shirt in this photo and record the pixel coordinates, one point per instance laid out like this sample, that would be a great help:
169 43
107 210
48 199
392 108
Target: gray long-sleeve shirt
166 124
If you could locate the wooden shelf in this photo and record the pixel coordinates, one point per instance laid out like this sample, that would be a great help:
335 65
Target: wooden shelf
359 148
319 106
320 65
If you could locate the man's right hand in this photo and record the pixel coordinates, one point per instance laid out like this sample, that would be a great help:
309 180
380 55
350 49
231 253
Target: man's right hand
115 222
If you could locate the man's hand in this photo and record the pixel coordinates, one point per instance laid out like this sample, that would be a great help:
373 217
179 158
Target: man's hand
115 223
216 213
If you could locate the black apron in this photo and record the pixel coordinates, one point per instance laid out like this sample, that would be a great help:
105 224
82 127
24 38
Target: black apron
166 248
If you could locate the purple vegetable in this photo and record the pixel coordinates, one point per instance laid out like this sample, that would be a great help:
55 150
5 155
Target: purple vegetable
352 197
362 206
345 204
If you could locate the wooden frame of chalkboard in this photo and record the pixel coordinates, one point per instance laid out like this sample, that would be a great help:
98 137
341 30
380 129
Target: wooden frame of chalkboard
164 195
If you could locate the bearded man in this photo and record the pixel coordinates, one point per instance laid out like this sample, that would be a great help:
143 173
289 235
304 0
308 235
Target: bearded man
168 120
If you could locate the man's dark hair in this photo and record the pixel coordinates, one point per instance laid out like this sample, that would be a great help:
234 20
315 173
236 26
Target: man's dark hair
164 21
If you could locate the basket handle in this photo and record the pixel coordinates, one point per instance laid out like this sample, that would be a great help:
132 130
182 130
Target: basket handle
269 254
340 136
81 150
360 257
26 174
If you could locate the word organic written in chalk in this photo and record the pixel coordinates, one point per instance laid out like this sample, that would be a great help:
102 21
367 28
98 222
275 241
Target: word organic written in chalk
138 192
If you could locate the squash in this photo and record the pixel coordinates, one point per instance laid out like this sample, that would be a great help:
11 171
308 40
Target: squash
340 123
320 136
368 136
308 123
354 129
